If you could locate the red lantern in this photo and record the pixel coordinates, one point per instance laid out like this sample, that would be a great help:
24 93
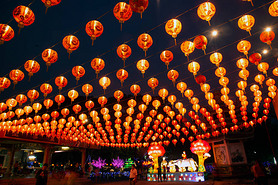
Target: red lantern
135 89
78 72
200 42
49 3
73 94
153 83
173 75
122 11
6 33
267 37
50 56
118 95
255 58
70 43
139 6
124 51
4 83
33 94
166 57
94 29
16 75
24 16
200 79
31 66
61 82
87 89
59 99
173 27
48 103
122 75
46 89
145 41
97 64
21 98
187 47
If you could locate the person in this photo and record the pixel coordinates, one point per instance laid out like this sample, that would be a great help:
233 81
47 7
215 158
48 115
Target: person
259 173
41 175
159 173
164 173
133 175
97 178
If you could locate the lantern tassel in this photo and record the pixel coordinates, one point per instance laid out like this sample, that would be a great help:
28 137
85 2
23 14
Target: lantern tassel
141 15
19 31
46 10
249 33
167 67
121 26
204 51
69 55
175 41
187 58
209 23
270 46
251 3
145 53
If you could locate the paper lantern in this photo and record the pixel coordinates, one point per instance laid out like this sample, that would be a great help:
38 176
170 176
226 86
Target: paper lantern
122 11
267 37
220 72
16 75
166 57
76 108
47 103
139 6
124 51
61 82
142 65
173 27
200 79
27 110
11 103
255 58
102 100
200 42
104 82
173 75
87 89
242 63
206 11
200 147
188 93
50 56
6 33
242 85
259 79
273 9
118 95
94 29
33 95
145 41
142 108
263 67
153 83
78 72
19 112
147 99
193 67
244 46
97 64
181 86
246 22
156 151
89 105
4 83
243 74
73 94
21 98
172 99
122 75
275 71
216 58
31 66
37 107
224 81
24 16
65 112
50 3
46 89
187 47
163 93
70 43
135 89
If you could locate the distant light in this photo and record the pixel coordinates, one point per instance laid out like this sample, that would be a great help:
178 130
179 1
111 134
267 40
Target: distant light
265 51
58 151
255 152
65 148
214 33
31 157
268 29
86 120
275 162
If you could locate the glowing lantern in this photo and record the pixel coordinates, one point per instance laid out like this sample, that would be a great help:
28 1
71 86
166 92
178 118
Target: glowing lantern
122 11
6 33
61 82
255 58
31 66
65 112
173 75
188 93
21 98
24 16
102 100
200 147
156 104
59 99
147 99
104 82
200 42
145 41
244 46
267 37
94 29
173 27
187 47
263 67
243 74
124 51
246 22
166 57
275 71
216 58
33 94
153 83
97 64
172 99
156 151
142 108
163 93
118 95
135 89
76 108
242 85
122 75
70 43
11 103
242 63
78 72
193 67
73 94
27 110
89 105
220 72
16 75
19 112
273 9
200 79
181 86
48 103
50 56
139 6
37 107
206 11
4 83
142 65
87 89
46 89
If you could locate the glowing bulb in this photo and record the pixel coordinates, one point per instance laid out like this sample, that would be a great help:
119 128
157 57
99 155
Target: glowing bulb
265 51
214 33
268 29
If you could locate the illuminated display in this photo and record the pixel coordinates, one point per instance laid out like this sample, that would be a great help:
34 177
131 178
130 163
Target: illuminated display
188 176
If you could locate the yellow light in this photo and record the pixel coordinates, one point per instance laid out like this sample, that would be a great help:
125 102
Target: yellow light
265 51
214 33
268 29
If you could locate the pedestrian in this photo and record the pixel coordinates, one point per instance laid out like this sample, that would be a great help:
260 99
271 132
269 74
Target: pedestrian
133 175
159 173
259 173
164 173
41 175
